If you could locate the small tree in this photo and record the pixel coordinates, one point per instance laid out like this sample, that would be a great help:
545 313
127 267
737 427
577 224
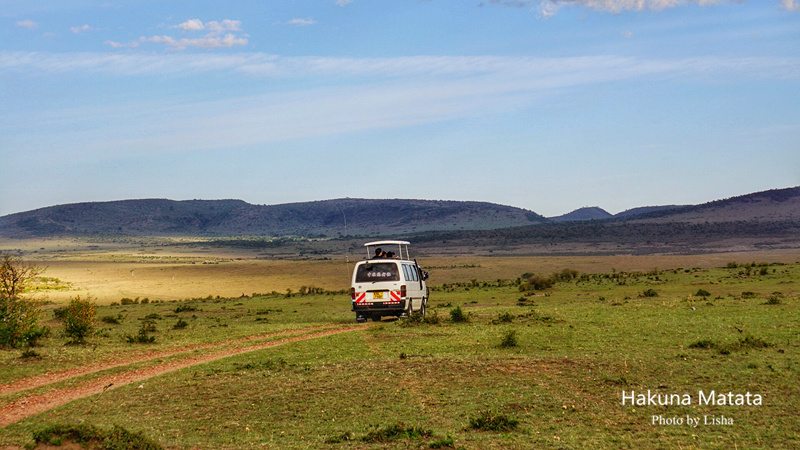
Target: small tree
79 319
19 316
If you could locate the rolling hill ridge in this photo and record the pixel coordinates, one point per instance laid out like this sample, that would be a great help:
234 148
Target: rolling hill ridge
329 218
775 212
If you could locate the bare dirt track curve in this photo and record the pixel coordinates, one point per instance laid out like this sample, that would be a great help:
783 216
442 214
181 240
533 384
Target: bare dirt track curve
35 404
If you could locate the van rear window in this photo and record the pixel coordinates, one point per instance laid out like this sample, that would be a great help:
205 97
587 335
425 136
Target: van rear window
377 272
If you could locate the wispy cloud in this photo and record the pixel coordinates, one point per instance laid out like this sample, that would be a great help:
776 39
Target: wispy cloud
81 29
29 24
208 42
114 44
218 34
381 93
212 26
398 68
301 22
343 2
549 7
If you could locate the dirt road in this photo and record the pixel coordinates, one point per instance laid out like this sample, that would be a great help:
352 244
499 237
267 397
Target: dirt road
34 404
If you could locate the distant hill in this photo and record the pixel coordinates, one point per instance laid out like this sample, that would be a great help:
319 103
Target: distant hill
646 210
761 221
776 205
329 218
587 213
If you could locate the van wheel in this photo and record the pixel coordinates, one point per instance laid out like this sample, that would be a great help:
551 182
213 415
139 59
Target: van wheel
376 317
422 309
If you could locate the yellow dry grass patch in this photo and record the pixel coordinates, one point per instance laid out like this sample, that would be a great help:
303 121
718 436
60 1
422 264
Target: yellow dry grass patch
165 269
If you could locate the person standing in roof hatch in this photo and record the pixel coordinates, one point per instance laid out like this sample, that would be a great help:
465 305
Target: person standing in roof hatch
379 253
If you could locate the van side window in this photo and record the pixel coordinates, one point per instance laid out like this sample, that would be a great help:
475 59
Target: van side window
405 272
413 274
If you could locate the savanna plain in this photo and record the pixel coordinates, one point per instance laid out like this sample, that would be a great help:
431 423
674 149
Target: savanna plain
213 347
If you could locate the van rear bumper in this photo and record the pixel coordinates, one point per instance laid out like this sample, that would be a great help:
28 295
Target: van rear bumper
383 307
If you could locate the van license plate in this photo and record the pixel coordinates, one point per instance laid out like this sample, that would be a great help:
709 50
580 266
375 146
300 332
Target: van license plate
377 295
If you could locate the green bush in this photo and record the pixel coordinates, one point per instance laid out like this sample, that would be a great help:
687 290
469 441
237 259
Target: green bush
649 293
19 316
396 431
89 436
702 293
457 315
447 442
141 336
79 319
509 340
505 317
489 421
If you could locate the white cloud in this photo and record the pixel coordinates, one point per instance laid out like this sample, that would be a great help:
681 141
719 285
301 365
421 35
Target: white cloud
213 38
29 24
343 2
302 22
213 26
191 25
114 44
791 5
80 29
208 42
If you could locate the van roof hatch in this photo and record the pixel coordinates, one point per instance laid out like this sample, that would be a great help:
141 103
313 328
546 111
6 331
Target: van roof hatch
402 248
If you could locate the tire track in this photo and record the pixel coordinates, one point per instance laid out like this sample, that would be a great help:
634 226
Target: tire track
50 378
36 404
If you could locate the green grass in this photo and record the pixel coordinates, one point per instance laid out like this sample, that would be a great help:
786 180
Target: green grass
416 384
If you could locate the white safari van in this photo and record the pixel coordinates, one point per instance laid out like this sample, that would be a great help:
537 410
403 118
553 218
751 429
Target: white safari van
388 283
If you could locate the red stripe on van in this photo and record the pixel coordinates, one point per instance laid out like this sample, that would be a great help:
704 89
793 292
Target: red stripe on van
360 298
395 296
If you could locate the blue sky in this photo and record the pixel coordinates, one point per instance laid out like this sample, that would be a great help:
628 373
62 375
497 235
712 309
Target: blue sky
545 105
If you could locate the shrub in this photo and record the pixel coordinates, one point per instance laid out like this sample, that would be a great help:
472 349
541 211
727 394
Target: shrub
141 336
509 340
704 344
180 324
536 283
93 437
774 300
649 293
702 293
457 315
79 319
396 431
185 308
505 317
447 442
488 421
110 319
19 316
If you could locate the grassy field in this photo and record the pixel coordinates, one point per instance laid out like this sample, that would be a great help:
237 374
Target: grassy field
170 269
534 369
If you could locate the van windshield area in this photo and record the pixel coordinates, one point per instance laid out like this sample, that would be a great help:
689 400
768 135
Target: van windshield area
377 272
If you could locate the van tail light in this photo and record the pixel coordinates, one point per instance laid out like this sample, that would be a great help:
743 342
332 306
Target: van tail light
403 291
352 293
